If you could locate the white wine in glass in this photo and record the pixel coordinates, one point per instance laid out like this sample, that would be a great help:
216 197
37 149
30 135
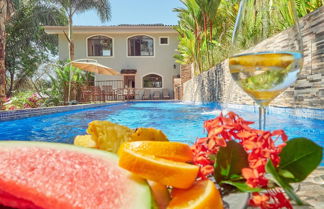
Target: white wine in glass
264 70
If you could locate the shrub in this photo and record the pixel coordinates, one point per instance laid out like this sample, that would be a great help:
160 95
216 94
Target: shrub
23 100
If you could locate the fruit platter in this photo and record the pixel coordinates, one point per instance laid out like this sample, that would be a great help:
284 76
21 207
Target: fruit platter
116 167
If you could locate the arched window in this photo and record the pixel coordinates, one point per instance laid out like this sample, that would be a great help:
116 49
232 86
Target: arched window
140 46
152 81
100 46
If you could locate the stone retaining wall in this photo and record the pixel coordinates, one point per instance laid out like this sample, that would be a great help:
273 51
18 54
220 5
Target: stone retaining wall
217 85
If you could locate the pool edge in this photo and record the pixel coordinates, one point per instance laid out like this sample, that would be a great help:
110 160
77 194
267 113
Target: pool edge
25 113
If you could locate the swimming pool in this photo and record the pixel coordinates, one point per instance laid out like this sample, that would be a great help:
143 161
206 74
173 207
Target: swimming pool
180 122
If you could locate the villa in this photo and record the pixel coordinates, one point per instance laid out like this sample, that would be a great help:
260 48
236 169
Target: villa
142 54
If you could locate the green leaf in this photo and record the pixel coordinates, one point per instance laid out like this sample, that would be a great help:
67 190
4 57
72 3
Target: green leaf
229 161
300 157
234 177
282 182
242 186
286 174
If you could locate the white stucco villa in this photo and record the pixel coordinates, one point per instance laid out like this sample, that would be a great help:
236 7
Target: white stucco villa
143 54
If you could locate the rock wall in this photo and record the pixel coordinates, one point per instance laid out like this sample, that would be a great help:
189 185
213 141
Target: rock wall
308 91
185 75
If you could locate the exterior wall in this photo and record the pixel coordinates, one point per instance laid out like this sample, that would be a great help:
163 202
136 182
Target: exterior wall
162 63
308 91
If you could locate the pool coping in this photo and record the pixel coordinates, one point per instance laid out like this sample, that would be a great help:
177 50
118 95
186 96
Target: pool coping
6 115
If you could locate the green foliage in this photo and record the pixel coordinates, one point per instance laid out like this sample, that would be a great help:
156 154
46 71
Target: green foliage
22 100
242 186
63 73
58 84
270 168
27 44
71 7
299 158
205 28
196 29
229 161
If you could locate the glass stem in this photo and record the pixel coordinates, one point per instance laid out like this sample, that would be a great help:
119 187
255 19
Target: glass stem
262 117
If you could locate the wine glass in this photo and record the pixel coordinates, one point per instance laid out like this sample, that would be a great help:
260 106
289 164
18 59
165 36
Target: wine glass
266 50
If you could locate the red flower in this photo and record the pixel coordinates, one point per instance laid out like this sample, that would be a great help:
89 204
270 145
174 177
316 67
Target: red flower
259 200
260 146
272 199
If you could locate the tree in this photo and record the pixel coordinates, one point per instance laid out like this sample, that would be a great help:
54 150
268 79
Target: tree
205 28
196 33
6 10
28 46
71 7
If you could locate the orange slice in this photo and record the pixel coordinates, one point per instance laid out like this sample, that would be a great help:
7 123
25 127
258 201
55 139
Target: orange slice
152 167
168 150
202 195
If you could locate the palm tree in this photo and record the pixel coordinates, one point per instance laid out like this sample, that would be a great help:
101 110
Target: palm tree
196 25
205 35
71 7
189 29
6 10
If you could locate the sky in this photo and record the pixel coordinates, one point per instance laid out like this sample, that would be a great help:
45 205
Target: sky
134 12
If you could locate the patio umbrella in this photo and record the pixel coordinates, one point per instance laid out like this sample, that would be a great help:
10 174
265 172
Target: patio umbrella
94 67
90 66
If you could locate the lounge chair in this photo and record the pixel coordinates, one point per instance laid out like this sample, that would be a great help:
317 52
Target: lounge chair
96 93
121 94
130 93
147 94
137 94
165 94
156 95
108 92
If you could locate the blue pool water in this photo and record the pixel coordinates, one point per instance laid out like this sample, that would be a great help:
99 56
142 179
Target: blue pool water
180 122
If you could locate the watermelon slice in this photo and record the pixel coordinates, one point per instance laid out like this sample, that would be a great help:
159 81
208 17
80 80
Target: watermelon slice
40 175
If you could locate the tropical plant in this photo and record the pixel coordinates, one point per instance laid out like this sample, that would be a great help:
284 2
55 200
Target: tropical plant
71 7
195 28
22 100
205 28
57 86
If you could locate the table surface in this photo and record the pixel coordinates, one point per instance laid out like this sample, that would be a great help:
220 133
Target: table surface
311 191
